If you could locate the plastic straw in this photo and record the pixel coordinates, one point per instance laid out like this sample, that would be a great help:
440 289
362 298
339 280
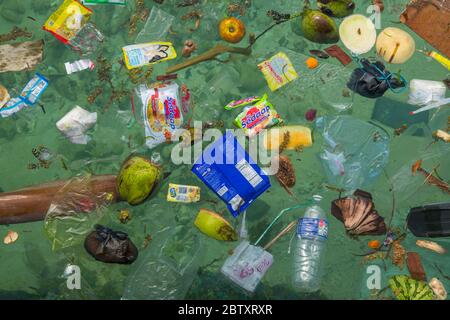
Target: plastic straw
279 216
431 106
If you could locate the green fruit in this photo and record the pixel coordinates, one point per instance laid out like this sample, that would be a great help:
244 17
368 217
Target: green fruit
317 27
336 8
406 288
136 179
215 226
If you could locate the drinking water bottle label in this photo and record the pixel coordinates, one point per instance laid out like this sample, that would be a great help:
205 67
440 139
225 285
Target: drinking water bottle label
312 228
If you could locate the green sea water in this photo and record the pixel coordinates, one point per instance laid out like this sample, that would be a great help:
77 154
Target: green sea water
30 269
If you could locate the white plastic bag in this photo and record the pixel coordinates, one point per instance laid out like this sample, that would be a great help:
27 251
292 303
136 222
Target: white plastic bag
75 124
423 92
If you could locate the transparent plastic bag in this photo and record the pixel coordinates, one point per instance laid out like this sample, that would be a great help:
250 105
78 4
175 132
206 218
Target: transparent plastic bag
354 152
75 209
87 40
156 27
166 270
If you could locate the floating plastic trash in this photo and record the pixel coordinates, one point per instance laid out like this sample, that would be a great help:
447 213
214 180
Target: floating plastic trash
75 124
227 169
372 80
350 160
156 27
143 54
29 96
425 91
161 111
247 266
110 246
278 71
67 20
163 271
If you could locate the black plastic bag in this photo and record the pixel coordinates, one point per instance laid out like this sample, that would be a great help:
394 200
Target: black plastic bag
110 246
372 80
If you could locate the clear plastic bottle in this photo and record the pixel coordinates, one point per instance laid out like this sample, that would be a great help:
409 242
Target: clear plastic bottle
312 232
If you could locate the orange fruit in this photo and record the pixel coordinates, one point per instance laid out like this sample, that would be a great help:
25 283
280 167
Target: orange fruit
374 244
312 63
232 30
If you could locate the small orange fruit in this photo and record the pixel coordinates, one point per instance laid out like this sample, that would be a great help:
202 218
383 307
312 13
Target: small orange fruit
312 63
232 30
374 244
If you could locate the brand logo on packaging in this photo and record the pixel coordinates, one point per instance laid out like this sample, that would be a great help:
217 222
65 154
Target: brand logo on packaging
254 116
172 112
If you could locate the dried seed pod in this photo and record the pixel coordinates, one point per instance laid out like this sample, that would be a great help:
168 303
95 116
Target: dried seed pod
430 245
415 266
286 172
398 254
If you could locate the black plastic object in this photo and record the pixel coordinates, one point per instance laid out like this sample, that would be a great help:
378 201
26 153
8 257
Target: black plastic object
372 80
110 246
430 221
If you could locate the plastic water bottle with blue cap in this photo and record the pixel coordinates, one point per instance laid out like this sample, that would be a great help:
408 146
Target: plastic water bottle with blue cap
312 234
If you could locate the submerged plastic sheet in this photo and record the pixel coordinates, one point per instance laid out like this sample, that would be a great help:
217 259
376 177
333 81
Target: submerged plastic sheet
354 151
74 212
166 270
156 27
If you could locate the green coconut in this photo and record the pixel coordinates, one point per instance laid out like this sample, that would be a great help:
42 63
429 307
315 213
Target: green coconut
336 8
137 178
316 26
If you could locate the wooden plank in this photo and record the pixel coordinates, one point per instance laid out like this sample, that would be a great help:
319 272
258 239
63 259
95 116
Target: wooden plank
430 19
22 56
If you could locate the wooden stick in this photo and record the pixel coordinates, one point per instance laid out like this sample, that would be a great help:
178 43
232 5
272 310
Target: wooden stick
282 233
209 55
32 204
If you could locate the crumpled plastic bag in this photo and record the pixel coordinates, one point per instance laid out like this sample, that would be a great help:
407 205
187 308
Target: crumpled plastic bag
74 212
354 152
75 124
165 270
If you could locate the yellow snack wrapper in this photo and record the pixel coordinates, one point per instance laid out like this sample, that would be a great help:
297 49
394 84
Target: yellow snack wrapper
278 71
67 20
182 193
138 55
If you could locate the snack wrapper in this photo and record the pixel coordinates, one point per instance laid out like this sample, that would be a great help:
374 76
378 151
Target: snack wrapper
231 173
161 111
95 2
67 20
278 71
182 193
138 55
259 116
28 97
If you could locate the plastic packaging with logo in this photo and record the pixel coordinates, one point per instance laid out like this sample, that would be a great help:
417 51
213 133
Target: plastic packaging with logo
143 54
255 118
95 2
79 65
231 173
161 111
182 193
67 20
28 97
278 71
